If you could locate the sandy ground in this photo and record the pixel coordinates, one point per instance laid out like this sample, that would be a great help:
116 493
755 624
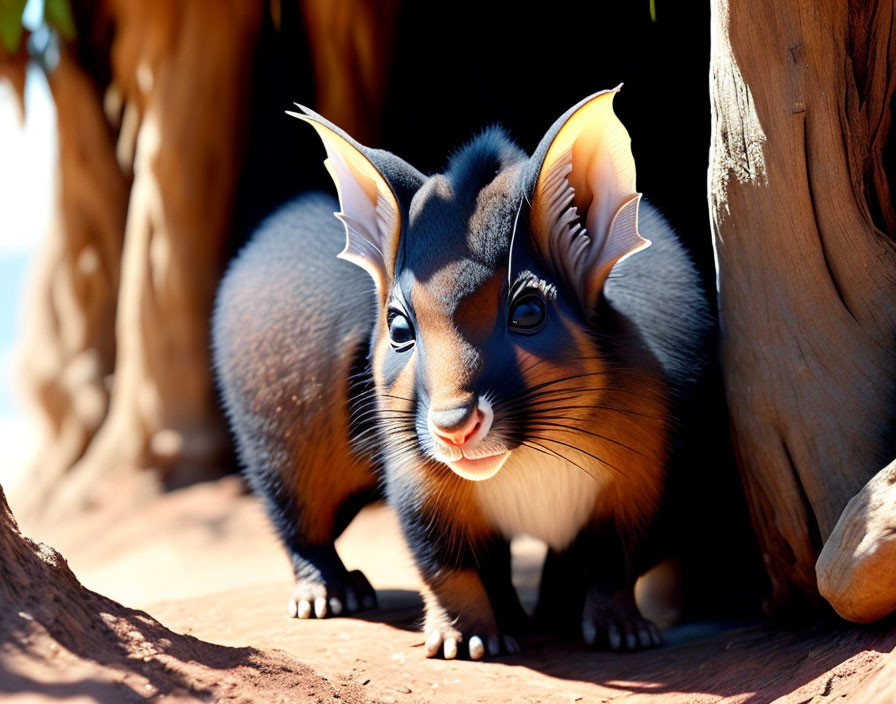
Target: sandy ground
204 562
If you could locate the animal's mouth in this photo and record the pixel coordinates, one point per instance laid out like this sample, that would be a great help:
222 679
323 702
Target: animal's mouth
478 456
480 468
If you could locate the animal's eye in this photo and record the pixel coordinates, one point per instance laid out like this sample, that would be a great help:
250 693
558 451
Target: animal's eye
400 331
527 313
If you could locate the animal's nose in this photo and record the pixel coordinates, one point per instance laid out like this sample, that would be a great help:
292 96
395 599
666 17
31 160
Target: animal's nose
455 425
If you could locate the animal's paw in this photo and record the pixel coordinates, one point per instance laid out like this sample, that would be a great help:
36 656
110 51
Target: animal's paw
613 621
318 597
450 642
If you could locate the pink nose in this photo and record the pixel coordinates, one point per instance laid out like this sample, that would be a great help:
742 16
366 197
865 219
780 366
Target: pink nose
456 426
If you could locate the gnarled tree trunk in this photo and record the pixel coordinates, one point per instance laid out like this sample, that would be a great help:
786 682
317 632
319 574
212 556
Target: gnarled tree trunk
803 224
70 319
151 137
152 105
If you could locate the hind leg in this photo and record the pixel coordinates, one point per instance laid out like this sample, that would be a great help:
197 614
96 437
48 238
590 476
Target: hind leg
291 335
324 586
590 588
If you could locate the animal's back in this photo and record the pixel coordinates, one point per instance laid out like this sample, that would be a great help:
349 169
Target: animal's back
291 322
661 293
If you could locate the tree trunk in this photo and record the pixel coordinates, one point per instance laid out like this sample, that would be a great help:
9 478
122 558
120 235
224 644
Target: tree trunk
179 82
351 47
186 68
802 221
152 101
70 320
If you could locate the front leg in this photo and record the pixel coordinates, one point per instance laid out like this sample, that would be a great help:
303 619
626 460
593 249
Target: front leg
459 616
590 587
462 585
494 567
324 587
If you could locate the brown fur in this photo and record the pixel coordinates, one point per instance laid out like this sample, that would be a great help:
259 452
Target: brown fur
327 469
458 592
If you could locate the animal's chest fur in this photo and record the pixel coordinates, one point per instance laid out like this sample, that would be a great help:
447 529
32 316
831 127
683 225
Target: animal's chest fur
542 497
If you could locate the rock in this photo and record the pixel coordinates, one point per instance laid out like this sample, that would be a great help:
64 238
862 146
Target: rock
857 568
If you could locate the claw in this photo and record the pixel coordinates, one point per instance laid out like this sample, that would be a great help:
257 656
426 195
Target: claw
614 636
477 649
320 607
511 645
589 632
644 637
304 608
450 649
432 645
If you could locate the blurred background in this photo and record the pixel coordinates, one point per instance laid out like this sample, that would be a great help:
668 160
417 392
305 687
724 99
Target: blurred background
27 162
140 143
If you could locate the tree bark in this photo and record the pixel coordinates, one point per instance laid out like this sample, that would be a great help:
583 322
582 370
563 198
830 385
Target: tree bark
802 221
152 102
351 48
128 279
69 338
186 68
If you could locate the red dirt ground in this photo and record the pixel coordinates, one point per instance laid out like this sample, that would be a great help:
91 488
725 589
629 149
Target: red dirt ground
204 562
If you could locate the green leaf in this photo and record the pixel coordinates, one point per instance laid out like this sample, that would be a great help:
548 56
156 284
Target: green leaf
11 24
58 15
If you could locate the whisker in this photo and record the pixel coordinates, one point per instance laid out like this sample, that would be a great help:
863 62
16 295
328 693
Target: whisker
577 449
539 425
553 453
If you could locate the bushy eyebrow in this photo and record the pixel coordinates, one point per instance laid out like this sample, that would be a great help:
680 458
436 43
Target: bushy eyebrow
528 279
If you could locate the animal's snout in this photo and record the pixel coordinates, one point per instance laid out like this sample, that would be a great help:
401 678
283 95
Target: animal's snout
457 425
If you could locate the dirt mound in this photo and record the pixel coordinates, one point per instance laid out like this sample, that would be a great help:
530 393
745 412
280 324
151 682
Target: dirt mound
59 639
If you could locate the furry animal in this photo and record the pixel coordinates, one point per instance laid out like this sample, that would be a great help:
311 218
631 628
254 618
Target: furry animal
497 349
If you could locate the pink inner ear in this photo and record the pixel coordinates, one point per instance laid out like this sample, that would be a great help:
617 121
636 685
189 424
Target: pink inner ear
589 163
364 244
368 208
623 240
601 178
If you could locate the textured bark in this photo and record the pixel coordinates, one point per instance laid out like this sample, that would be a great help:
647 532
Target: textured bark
128 279
69 344
351 47
13 68
152 102
185 67
801 96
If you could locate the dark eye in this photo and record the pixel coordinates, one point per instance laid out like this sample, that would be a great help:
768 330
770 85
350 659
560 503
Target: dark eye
400 331
527 313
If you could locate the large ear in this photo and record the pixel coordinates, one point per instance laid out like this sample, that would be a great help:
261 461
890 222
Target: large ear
370 184
584 215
